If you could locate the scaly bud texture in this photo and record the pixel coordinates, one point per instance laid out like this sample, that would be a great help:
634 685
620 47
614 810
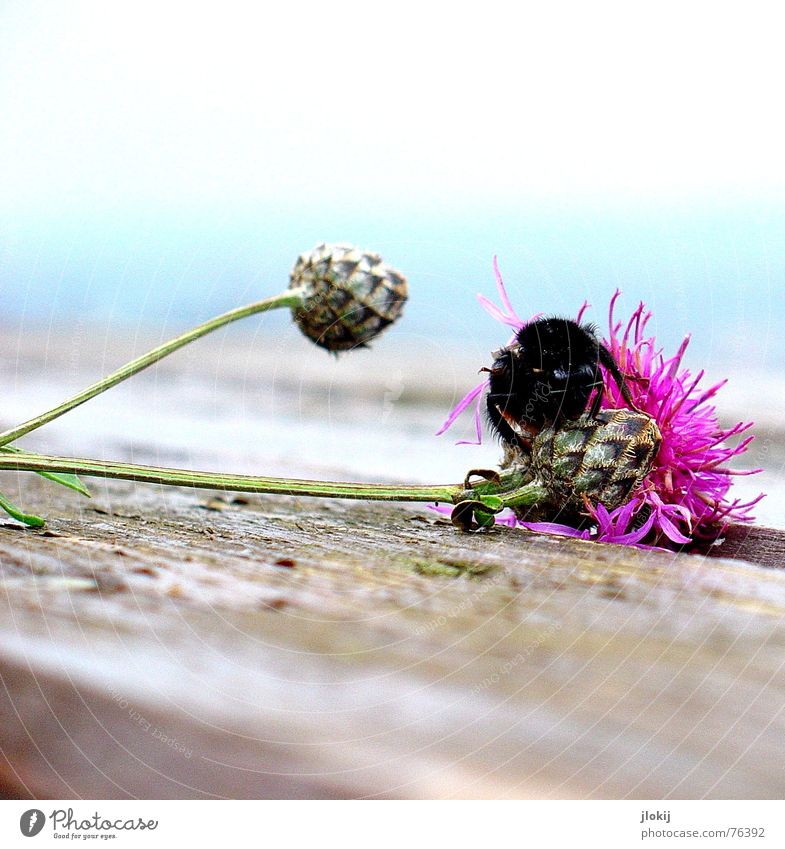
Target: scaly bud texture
349 296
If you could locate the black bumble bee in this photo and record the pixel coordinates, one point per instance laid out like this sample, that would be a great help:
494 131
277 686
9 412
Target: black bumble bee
547 376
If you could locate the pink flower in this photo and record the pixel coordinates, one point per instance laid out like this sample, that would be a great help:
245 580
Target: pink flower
687 493
508 316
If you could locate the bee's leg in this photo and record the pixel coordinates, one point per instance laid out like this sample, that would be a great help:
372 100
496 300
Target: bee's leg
597 402
636 377
606 358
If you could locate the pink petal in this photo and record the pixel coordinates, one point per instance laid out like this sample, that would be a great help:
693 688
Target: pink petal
494 312
503 292
555 528
630 538
670 530
465 402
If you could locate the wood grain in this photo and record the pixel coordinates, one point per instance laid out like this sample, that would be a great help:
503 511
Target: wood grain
172 643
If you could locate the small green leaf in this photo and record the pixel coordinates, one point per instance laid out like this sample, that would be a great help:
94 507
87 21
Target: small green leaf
484 520
16 513
70 481
492 502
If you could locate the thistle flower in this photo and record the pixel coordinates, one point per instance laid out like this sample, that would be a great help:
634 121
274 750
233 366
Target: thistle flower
686 494
349 295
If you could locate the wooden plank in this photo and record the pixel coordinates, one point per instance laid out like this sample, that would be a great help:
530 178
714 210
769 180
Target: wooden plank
168 643
396 657
755 543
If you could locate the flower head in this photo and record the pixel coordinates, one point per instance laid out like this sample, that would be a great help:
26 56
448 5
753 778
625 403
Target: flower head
686 495
350 295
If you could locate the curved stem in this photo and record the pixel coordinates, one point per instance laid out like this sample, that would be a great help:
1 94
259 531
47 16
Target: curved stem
289 298
16 513
235 483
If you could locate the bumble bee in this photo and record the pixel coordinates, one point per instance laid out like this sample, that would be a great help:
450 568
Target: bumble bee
547 376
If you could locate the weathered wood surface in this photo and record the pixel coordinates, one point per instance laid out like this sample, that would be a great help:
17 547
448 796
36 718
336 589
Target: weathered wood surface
158 643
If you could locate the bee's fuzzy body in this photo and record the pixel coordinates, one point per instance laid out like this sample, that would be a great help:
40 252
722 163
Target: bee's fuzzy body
547 376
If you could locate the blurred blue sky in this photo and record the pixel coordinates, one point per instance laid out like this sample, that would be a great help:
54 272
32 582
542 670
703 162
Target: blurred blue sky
160 162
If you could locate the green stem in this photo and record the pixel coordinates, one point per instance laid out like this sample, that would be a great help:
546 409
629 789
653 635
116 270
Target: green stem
527 495
289 298
236 483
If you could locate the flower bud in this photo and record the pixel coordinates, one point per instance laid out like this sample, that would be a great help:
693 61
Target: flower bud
602 459
350 296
